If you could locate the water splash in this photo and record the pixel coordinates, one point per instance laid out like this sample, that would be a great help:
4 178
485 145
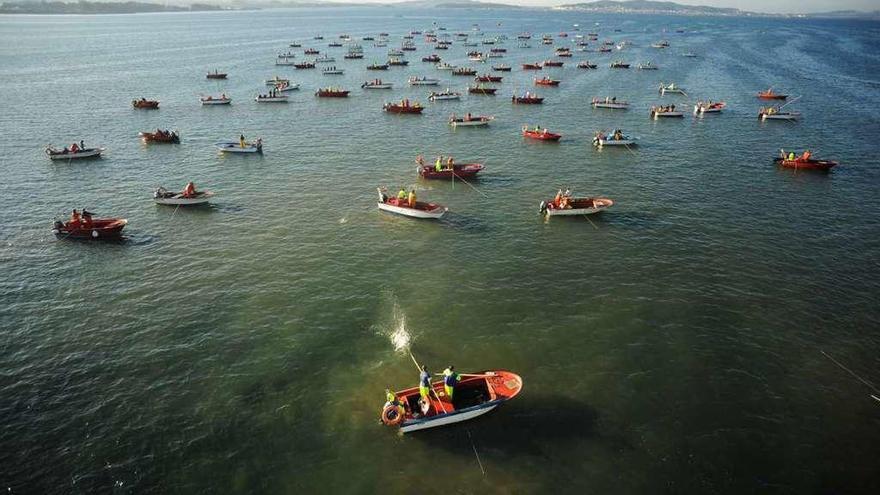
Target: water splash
399 336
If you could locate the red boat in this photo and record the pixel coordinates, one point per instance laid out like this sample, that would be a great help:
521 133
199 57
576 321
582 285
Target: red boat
770 95
546 81
540 134
459 171
304 65
527 100
553 63
532 66
808 164
481 90
90 228
160 137
145 103
331 93
404 106
488 78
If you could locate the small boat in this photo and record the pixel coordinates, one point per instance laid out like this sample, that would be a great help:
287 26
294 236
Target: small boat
90 228
464 71
235 147
334 44
395 53
66 154
524 36
397 62
419 210
332 93
286 62
689 55
665 112
770 95
422 81
434 58
353 56
295 45
617 138
569 206
319 37
160 136
404 106
540 134
475 395
458 171
332 71
215 100
619 65
376 84
164 197
311 51
325 60
660 44
285 87
445 95
553 63
535 66
586 65
527 99
524 45
216 75
670 88
775 113
377 67
498 50
304 65
805 163
444 66
477 58
501 68
709 107
287 55
470 120
144 103
441 46
611 103
488 78
647 66
275 81
270 98
546 81
479 89
604 49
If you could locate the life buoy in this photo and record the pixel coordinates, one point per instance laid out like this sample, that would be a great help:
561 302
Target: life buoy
391 415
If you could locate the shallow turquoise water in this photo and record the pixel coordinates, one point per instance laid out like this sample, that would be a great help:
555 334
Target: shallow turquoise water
673 345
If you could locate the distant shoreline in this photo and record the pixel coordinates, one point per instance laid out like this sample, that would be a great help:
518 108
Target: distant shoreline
92 8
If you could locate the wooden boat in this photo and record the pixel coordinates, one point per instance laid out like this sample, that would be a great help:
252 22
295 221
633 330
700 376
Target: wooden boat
667 112
475 395
464 71
670 88
275 81
586 65
211 100
160 137
164 197
553 63
304 65
431 58
709 107
458 171
574 206
481 90
619 65
488 78
601 139
501 68
536 66
66 154
540 134
216 75
332 93
808 164
611 103
377 84
546 81
271 98
403 106
444 95
422 81
770 95
421 209
377 67
647 66
773 113
145 104
470 120
527 100
235 147
92 228
397 62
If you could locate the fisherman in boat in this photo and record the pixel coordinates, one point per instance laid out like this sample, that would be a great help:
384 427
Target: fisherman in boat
86 216
618 135
82 145
74 218
412 198
806 156
791 156
467 117
74 148
241 142
425 384
393 400
558 199
450 379
401 196
189 191
450 163
420 161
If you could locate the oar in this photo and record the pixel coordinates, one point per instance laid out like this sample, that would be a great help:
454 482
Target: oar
431 387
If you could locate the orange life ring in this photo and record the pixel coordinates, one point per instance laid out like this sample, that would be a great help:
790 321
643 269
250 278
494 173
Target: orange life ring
391 415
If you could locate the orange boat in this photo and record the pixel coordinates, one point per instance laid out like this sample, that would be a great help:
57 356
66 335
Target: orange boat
546 81
540 134
145 103
90 228
770 95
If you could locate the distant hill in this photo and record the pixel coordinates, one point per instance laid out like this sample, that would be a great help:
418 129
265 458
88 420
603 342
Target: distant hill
456 4
83 7
651 7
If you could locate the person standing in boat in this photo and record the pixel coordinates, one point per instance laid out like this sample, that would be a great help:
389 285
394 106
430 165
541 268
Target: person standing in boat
401 196
412 198
74 217
393 400
450 380
241 141
425 385
82 144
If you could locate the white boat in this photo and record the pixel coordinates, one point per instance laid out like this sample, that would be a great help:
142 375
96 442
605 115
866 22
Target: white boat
475 58
445 66
324 60
275 81
670 88
332 71
56 154
647 66
496 55
420 210
271 99
235 147
285 87
474 121
658 113
575 207
377 85
164 197
422 81
608 103
395 53
210 100
445 95
602 139
709 107
689 55
779 115
285 61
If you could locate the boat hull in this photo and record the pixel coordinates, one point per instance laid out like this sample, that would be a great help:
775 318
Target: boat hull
431 211
87 153
97 229
462 171
822 165
580 206
232 147
178 199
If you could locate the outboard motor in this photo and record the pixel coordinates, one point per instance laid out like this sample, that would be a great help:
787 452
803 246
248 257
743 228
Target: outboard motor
543 207
57 227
